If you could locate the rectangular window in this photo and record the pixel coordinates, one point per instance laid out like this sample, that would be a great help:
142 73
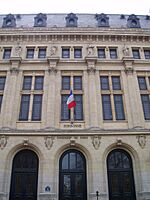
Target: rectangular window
136 53
142 83
107 112
77 53
2 86
65 82
113 53
65 52
30 53
37 107
147 54
24 108
65 112
104 82
146 106
42 52
119 107
7 53
31 98
78 110
77 82
73 82
112 98
101 53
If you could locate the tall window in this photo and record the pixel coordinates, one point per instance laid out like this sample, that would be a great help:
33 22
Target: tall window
101 53
144 86
66 52
42 52
147 54
31 98
2 86
112 97
136 53
77 52
113 53
73 82
7 53
30 53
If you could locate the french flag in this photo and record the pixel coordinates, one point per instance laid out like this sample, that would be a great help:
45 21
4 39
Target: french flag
70 101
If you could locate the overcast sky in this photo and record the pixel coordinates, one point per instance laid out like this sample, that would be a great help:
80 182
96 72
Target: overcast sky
141 7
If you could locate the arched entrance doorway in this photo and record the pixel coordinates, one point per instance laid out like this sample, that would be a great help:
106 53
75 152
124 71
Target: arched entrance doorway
72 176
120 176
24 176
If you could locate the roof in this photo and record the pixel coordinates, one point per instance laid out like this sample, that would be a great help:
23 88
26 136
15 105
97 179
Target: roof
83 20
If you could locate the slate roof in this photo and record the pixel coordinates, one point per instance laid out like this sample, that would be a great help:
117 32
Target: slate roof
84 20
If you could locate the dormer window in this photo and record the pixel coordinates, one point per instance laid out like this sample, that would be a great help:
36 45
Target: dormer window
133 22
40 20
9 21
71 20
103 20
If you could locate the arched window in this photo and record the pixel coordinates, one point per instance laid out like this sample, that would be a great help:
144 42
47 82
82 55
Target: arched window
120 175
72 176
24 176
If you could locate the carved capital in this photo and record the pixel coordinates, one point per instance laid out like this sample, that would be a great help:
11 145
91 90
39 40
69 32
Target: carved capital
142 141
3 141
14 70
52 70
91 70
49 140
96 141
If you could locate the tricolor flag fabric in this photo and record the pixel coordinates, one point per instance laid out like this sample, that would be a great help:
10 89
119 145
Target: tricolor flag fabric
70 101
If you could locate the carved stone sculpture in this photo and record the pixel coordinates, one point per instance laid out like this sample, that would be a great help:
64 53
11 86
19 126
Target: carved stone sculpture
142 141
96 141
3 142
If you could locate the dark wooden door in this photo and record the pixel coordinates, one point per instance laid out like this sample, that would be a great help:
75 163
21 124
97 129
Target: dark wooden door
120 176
24 176
72 183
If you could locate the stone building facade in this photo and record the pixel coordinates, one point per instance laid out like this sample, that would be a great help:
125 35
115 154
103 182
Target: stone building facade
99 149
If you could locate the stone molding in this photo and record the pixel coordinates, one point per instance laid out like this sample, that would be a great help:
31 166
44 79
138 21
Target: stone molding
49 140
96 141
142 141
3 141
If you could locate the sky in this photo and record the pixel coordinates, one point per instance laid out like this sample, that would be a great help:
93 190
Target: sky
139 7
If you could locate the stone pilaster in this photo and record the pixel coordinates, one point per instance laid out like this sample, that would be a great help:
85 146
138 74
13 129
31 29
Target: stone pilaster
91 69
133 97
13 84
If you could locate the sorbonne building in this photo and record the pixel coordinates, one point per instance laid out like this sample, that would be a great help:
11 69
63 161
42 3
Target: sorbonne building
100 149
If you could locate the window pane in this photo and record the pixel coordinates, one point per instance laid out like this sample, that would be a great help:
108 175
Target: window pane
146 106
42 53
104 83
27 82
142 83
116 83
2 82
78 53
72 160
65 112
101 53
113 53
1 98
136 53
37 107
78 110
65 82
65 162
24 108
77 82
39 83
66 53
107 113
147 54
30 53
119 107
67 185
7 53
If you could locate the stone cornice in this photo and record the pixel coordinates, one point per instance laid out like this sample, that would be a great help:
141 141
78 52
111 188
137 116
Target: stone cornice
76 34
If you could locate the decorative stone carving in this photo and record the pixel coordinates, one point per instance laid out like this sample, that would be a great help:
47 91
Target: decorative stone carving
96 141
142 141
52 70
49 140
25 142
18 50
71 20
103 20
72 142
40 20
53 50
3 142
9 21
90 50
125 51
118 142
133 21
